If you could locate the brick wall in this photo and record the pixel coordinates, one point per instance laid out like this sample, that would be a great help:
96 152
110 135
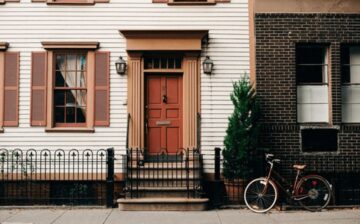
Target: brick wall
276 38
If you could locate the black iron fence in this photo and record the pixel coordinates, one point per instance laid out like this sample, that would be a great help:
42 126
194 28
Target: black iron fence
179 172
59 177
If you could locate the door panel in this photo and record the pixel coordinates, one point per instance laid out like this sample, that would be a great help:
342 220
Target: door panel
172 90
154 133
172 140
163 113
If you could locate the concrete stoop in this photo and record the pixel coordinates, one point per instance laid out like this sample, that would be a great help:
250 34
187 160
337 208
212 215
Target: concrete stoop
163 204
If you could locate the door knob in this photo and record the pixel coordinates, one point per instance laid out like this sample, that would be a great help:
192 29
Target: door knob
164 99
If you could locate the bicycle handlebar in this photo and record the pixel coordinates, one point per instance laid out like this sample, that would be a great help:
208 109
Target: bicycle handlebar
270 158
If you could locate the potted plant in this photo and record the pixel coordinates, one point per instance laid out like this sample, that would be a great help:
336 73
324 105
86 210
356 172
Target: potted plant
241 139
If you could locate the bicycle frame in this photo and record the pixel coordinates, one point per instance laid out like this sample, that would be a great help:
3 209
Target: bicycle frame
280 182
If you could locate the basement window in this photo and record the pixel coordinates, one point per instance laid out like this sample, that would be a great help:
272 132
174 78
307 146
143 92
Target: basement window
319 140
350 77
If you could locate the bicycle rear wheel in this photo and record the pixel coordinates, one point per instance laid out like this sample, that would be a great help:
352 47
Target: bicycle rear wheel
260 197
313 192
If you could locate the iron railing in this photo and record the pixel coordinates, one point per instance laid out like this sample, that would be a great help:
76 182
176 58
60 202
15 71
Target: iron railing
47 177
181 171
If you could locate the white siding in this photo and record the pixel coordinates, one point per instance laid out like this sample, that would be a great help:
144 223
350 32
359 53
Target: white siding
24 25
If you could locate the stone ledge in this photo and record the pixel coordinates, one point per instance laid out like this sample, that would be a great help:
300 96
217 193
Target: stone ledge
163 204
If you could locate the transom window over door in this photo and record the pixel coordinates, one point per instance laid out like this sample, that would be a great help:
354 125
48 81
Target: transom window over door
70 89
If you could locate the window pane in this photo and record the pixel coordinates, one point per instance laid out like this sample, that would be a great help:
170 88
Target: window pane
71 62
310 74
70 98
71 79
345 74
310 55
59 115
81 62
81 81
350 69
311 64
355 73
156 63
81 115
60 62
355 55
59 98
163 63
178 63
171 63
59 78
81 98
70 114
319 140
148 63
345 55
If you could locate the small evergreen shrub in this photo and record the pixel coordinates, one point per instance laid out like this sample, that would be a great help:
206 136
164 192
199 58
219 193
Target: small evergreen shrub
242 133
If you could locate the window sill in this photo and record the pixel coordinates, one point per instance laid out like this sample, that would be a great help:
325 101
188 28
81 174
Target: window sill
191 3
71 3
72 129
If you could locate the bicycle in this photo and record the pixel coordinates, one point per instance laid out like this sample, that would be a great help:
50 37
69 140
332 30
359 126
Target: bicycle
312 192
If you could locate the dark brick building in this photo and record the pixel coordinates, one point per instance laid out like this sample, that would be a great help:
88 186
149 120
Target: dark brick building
306 77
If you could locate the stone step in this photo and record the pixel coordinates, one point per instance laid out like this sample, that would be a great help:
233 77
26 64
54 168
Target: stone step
183 176
163 204
167 165
164 192
160 183
155 166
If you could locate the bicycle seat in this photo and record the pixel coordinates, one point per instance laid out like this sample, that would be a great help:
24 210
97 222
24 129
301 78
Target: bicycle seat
299 167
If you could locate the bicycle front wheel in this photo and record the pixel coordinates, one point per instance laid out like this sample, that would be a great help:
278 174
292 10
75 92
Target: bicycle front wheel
313 192
260 195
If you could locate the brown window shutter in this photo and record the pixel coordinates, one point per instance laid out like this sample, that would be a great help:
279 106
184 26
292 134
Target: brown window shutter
11 89
102 89
38 89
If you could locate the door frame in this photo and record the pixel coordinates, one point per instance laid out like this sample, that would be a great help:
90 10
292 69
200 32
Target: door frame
187 43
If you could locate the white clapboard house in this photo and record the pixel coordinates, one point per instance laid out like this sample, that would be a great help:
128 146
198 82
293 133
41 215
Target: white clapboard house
60 88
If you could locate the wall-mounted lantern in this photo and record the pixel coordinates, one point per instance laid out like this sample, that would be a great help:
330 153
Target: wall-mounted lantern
208 65
120 65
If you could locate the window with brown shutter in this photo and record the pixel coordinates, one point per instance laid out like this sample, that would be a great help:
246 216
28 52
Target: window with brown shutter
102 86
38 88
76 87
9 87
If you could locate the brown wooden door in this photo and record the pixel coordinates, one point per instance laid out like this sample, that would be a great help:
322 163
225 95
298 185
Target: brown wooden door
163 108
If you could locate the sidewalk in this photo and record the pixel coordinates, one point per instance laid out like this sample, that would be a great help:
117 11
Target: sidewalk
112 216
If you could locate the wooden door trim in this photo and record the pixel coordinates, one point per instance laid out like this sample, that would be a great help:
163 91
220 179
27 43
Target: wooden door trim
184 42
136 99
